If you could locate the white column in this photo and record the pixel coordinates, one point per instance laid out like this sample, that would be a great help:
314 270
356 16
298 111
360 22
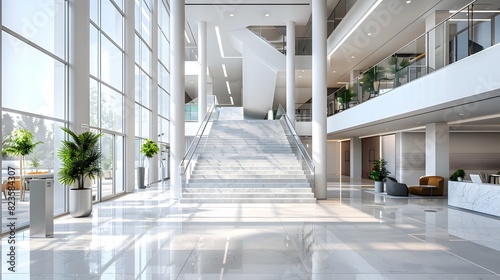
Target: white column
290 71
79 66
129 96
154 162
177 90
356 160
319 96
437 149
202 77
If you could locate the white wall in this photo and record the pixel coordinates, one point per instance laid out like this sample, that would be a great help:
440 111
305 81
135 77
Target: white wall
389 152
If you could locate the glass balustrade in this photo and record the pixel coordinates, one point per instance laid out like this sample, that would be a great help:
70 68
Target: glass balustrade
465 33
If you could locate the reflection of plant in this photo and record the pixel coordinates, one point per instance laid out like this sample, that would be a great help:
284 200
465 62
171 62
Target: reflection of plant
107 163
370 77
397 66
379 171
458 173
36 160
345 97
80 158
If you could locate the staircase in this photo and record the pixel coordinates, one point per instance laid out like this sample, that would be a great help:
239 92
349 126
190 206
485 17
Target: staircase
247 161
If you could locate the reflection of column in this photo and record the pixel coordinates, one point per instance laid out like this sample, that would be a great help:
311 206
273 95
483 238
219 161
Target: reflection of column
177 89
290 71
202 77
319 88
129 97
430 225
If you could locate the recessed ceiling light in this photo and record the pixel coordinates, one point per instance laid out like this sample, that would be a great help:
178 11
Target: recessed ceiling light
408 2
231 15
224 70
334 71
369 34
300 76
460 114
228 87
302 71
352 57
266 15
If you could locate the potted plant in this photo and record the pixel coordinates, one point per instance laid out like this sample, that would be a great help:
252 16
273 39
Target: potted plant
378 173
344 98
148 149
20 143
458 175
80 157
396 66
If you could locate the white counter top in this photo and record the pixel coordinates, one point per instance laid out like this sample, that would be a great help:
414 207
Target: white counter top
483 198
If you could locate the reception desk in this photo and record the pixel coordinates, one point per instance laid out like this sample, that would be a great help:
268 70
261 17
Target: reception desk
479 197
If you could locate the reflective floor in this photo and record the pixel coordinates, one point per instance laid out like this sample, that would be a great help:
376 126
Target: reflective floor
355 234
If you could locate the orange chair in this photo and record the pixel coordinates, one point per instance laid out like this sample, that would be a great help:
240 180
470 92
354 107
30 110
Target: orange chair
17 187
437 181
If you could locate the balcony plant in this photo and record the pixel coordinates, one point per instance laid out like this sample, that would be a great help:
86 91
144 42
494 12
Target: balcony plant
344 98
458 175
20 143
378 173
80 157
148 149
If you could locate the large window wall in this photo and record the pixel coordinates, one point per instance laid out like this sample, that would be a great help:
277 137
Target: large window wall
34 90
107 92
37 84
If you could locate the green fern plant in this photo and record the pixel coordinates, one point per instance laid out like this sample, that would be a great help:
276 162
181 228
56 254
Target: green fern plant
149 149
80 156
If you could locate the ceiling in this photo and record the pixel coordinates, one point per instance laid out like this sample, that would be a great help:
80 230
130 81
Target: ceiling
359 51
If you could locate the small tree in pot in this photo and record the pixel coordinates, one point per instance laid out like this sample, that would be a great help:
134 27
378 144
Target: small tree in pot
80 157
148 149
378 173
20 143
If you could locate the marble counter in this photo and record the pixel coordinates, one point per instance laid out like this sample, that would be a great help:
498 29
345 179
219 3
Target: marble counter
483 198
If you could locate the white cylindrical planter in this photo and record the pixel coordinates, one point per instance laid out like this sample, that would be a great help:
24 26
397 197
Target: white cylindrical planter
80 202
379 186
41 208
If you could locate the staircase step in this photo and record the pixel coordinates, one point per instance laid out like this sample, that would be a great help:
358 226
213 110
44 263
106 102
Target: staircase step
232 171
248 195
243 176
248 190
247 200
220 184
249 180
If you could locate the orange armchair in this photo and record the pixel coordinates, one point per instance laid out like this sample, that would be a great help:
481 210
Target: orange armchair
437 181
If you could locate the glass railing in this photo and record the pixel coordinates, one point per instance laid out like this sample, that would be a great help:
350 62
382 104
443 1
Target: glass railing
296 144
197 144
464 33
191 108
276 37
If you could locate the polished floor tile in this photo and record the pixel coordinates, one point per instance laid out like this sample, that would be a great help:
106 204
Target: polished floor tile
354 234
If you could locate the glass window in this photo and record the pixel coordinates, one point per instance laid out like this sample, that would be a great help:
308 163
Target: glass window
145 90
137 119
163 77
111 109
31 81
145 58
112 23
94 51
145 121
111 64
163 103
40 21
94 103
164 20
94 11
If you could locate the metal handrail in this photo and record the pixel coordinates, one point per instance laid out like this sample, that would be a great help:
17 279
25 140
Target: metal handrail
281 113
197 138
